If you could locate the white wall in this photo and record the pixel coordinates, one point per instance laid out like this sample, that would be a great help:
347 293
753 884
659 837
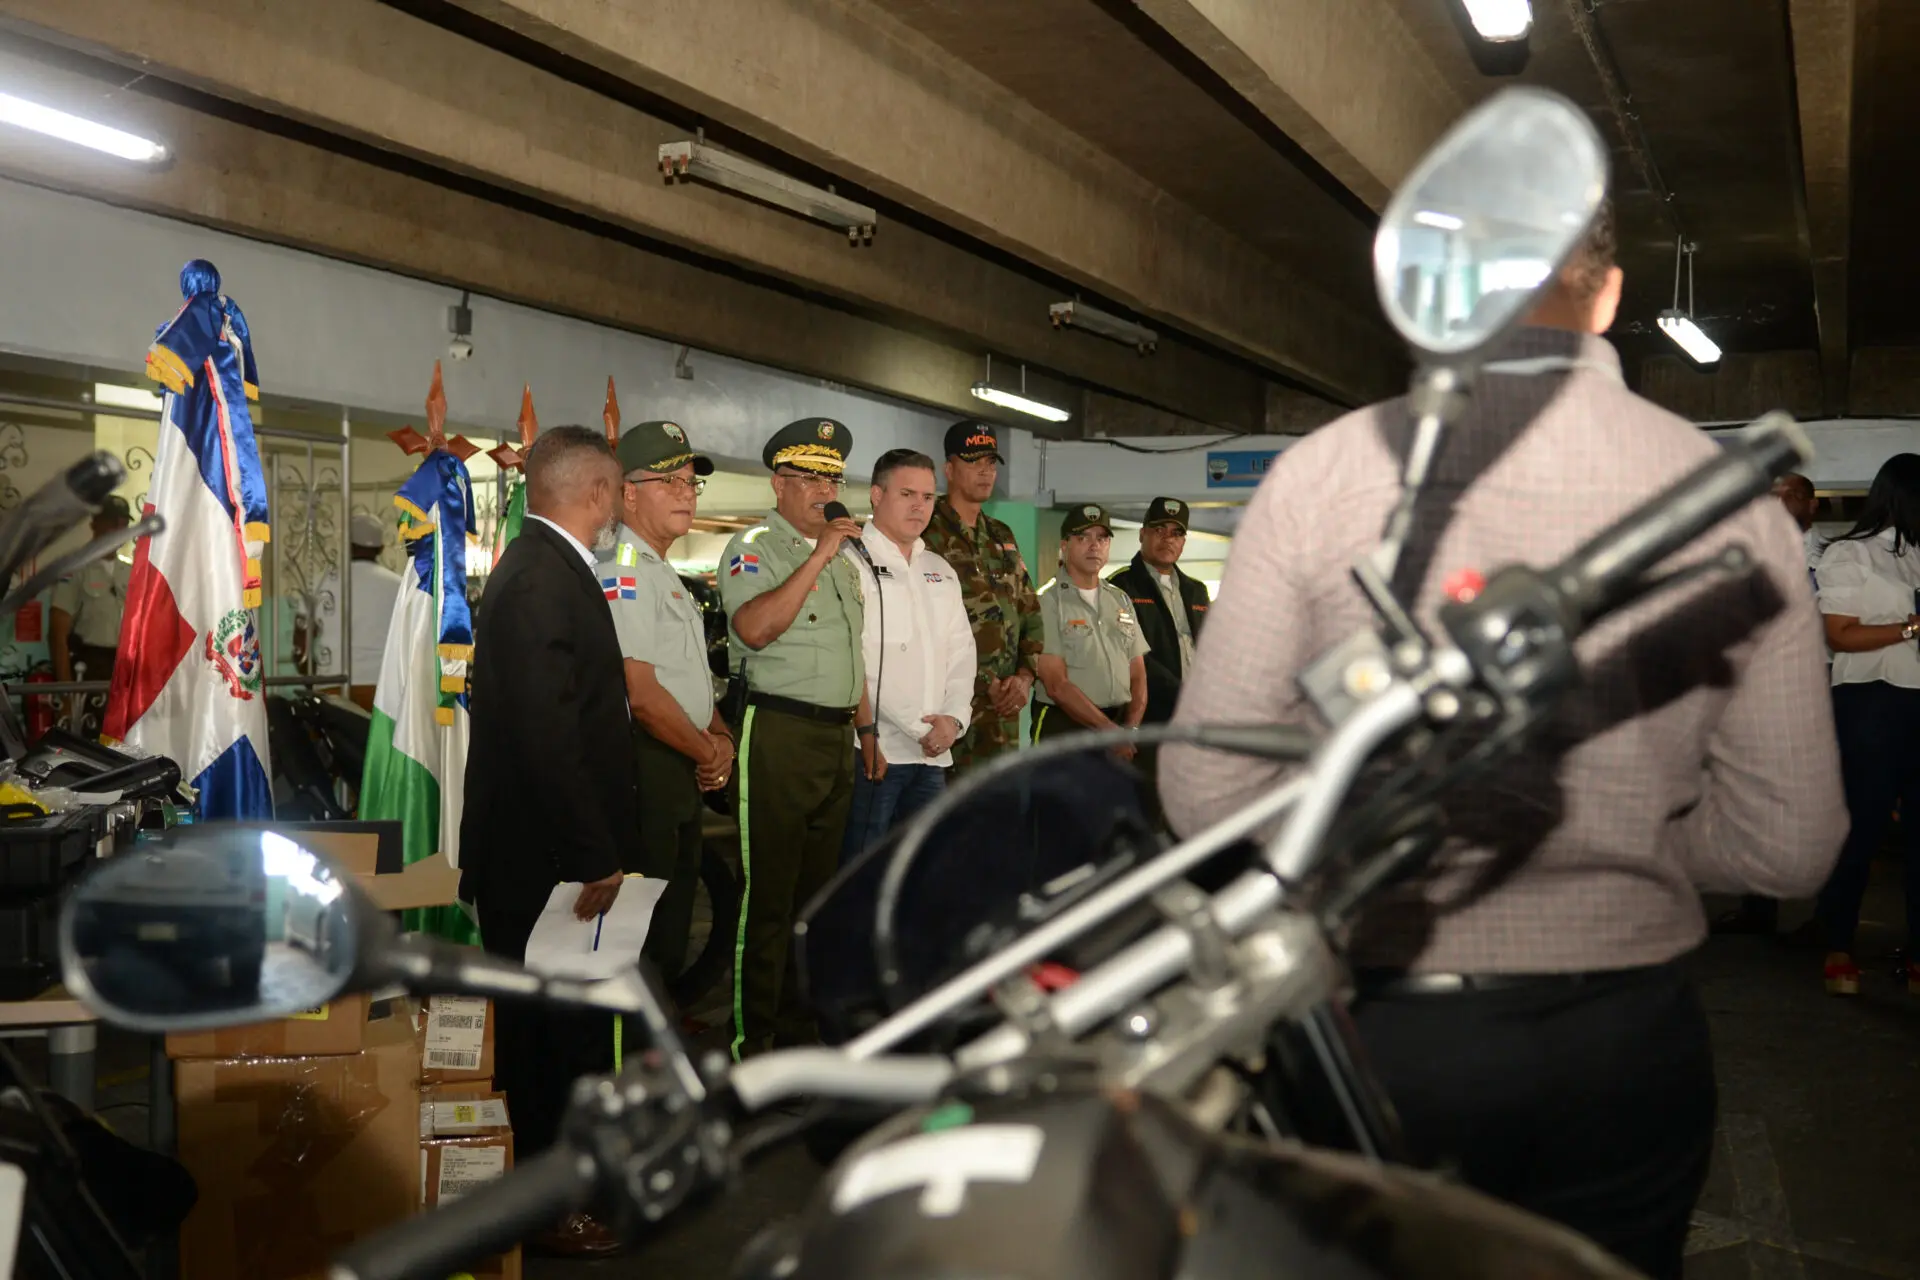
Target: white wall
88 283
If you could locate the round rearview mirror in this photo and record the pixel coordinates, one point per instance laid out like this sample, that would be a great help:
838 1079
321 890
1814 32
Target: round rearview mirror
210 926
1486 218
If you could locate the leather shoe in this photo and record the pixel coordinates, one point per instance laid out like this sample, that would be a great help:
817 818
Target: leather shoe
579 1235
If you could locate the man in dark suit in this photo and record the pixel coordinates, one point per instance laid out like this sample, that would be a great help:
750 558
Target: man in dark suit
1170 606
550 773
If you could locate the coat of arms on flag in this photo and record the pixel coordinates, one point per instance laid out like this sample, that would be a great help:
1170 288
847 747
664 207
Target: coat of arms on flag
417 747
189 681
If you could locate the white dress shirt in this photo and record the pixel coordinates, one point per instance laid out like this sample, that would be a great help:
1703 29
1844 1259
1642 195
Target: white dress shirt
376 589
1863 578
930 655
584 551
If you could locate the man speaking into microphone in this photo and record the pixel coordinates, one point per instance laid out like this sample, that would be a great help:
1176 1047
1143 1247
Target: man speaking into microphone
795 610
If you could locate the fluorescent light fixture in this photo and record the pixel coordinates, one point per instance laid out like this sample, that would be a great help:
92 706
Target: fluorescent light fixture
1513 273
119 397
722 169
1079 315
82 132
1687 334
1499 21
1019 403
1443 221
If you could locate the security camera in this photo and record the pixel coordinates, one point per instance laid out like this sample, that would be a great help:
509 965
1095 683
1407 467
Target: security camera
459 349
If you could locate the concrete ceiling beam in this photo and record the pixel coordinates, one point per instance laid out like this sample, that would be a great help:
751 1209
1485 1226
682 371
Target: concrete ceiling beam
1825 55
376 76
845 86
233 178
1348 80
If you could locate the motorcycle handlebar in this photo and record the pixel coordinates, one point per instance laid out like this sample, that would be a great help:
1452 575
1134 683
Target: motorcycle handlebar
1607 568
430 1246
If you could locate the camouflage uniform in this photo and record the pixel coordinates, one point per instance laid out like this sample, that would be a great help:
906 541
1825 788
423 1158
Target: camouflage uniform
1005 614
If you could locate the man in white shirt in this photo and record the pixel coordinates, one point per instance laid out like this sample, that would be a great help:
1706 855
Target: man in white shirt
375 590
920 652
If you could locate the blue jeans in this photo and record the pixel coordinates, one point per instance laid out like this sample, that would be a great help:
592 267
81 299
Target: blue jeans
878 807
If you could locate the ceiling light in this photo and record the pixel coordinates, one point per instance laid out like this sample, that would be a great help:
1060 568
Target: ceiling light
1684 331
1443 221
119 397
1019 403
1500 20
86 133
1079 315
1679 325
722 169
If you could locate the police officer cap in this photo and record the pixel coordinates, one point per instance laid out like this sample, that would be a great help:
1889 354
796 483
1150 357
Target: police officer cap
970 440
1168 511
819 445
1080 519
365 531
659 447
114 507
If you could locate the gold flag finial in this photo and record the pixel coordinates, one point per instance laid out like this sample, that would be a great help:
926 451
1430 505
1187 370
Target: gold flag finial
611 415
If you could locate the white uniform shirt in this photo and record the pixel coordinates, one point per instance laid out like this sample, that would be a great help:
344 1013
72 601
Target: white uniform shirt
1862 578
930 655
376 589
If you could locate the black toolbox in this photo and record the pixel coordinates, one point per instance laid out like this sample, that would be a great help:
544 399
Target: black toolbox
40 858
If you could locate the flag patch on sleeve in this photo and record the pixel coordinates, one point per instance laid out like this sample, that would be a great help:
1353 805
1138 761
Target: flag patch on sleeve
620 588
746 562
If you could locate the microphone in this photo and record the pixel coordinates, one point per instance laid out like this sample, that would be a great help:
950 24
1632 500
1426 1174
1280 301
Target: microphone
838 511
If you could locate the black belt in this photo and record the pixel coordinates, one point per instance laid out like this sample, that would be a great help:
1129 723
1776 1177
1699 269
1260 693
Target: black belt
1396 982
805 710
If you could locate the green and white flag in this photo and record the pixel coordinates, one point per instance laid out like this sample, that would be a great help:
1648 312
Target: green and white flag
417 751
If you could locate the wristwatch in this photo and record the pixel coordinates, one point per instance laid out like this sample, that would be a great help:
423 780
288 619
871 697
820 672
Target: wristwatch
1909 631
866 730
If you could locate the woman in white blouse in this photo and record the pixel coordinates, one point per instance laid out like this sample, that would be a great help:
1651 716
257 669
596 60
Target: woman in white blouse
1869 583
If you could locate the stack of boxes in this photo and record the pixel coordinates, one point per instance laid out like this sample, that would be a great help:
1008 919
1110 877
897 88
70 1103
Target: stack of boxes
309 1134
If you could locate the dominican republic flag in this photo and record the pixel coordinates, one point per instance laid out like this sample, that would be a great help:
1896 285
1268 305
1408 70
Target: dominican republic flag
417 749
188 684
620 588
747 562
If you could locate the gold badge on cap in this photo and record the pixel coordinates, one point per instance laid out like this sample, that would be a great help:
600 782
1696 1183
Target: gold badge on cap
826 431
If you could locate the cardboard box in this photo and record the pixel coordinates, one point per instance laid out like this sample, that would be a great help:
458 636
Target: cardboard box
296 1158
337 1027
465 1144
456 1039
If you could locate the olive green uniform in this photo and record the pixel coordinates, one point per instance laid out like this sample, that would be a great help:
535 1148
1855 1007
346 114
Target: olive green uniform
1005 614
796 765
1098 645
658 623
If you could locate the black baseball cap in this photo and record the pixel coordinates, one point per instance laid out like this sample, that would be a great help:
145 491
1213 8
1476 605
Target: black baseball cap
970 440
1168 511
114 507
1080 519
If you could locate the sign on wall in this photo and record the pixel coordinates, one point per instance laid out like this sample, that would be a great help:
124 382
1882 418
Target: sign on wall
1238 468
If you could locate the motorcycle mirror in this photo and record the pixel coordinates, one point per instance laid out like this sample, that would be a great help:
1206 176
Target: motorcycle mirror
211 926
1486 218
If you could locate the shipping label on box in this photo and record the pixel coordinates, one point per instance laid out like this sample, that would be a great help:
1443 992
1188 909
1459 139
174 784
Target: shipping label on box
457 1039
451 1168
463 1117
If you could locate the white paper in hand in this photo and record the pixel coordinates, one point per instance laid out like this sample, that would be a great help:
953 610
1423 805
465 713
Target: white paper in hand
562 945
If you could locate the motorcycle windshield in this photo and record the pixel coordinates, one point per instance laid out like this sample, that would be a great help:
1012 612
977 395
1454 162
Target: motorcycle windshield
984 871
